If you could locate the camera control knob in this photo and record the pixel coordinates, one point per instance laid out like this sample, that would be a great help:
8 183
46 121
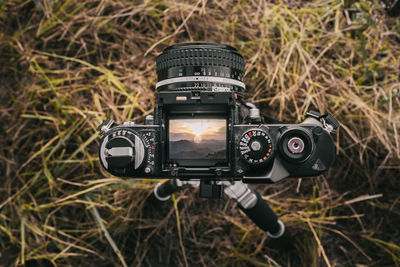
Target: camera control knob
255 147
295 145
122 152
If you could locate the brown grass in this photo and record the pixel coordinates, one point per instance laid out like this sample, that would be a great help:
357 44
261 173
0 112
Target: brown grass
65 66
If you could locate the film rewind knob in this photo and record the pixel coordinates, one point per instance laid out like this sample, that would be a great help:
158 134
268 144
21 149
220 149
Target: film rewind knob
119 157
122 150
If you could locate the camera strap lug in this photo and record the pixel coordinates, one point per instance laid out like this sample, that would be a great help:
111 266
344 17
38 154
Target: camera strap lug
254 113
105 126
149 120
328 121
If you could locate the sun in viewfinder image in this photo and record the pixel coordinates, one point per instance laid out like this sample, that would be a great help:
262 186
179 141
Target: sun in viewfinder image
197 139
198 128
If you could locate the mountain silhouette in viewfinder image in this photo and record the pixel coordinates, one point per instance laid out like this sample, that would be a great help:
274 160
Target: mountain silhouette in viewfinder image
206 149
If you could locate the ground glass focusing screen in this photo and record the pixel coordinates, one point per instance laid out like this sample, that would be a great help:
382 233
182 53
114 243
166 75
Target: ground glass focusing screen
197 139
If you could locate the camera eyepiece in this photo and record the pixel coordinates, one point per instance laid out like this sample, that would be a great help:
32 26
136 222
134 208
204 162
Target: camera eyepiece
200 66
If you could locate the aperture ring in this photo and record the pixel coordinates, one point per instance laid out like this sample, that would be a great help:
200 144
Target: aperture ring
201 79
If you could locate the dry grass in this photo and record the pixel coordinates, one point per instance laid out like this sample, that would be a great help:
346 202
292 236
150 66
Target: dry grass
65 66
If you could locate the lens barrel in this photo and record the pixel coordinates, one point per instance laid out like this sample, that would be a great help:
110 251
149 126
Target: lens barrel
200 66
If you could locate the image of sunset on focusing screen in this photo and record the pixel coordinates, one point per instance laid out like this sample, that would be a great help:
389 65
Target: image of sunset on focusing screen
197 139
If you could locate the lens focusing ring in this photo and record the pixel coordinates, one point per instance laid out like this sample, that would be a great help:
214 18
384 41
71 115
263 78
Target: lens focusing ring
198 56
221 63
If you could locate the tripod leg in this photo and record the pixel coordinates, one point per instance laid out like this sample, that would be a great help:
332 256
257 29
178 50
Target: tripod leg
163 191
256 208
263 216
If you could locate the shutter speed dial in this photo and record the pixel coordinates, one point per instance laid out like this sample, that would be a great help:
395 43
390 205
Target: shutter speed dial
122 152
256 147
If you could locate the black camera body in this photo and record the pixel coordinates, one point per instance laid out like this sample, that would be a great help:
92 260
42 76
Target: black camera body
202 128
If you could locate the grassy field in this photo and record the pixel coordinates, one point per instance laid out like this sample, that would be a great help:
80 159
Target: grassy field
67 65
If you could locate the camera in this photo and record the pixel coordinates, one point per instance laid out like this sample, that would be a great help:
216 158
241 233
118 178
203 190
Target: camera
203 129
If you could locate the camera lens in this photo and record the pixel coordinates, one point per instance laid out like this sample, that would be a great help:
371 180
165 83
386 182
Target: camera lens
200 66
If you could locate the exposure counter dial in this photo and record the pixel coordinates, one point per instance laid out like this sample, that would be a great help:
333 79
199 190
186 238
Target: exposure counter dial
256 147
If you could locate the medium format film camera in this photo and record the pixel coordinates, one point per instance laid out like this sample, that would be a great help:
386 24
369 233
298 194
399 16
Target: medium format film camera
204 133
